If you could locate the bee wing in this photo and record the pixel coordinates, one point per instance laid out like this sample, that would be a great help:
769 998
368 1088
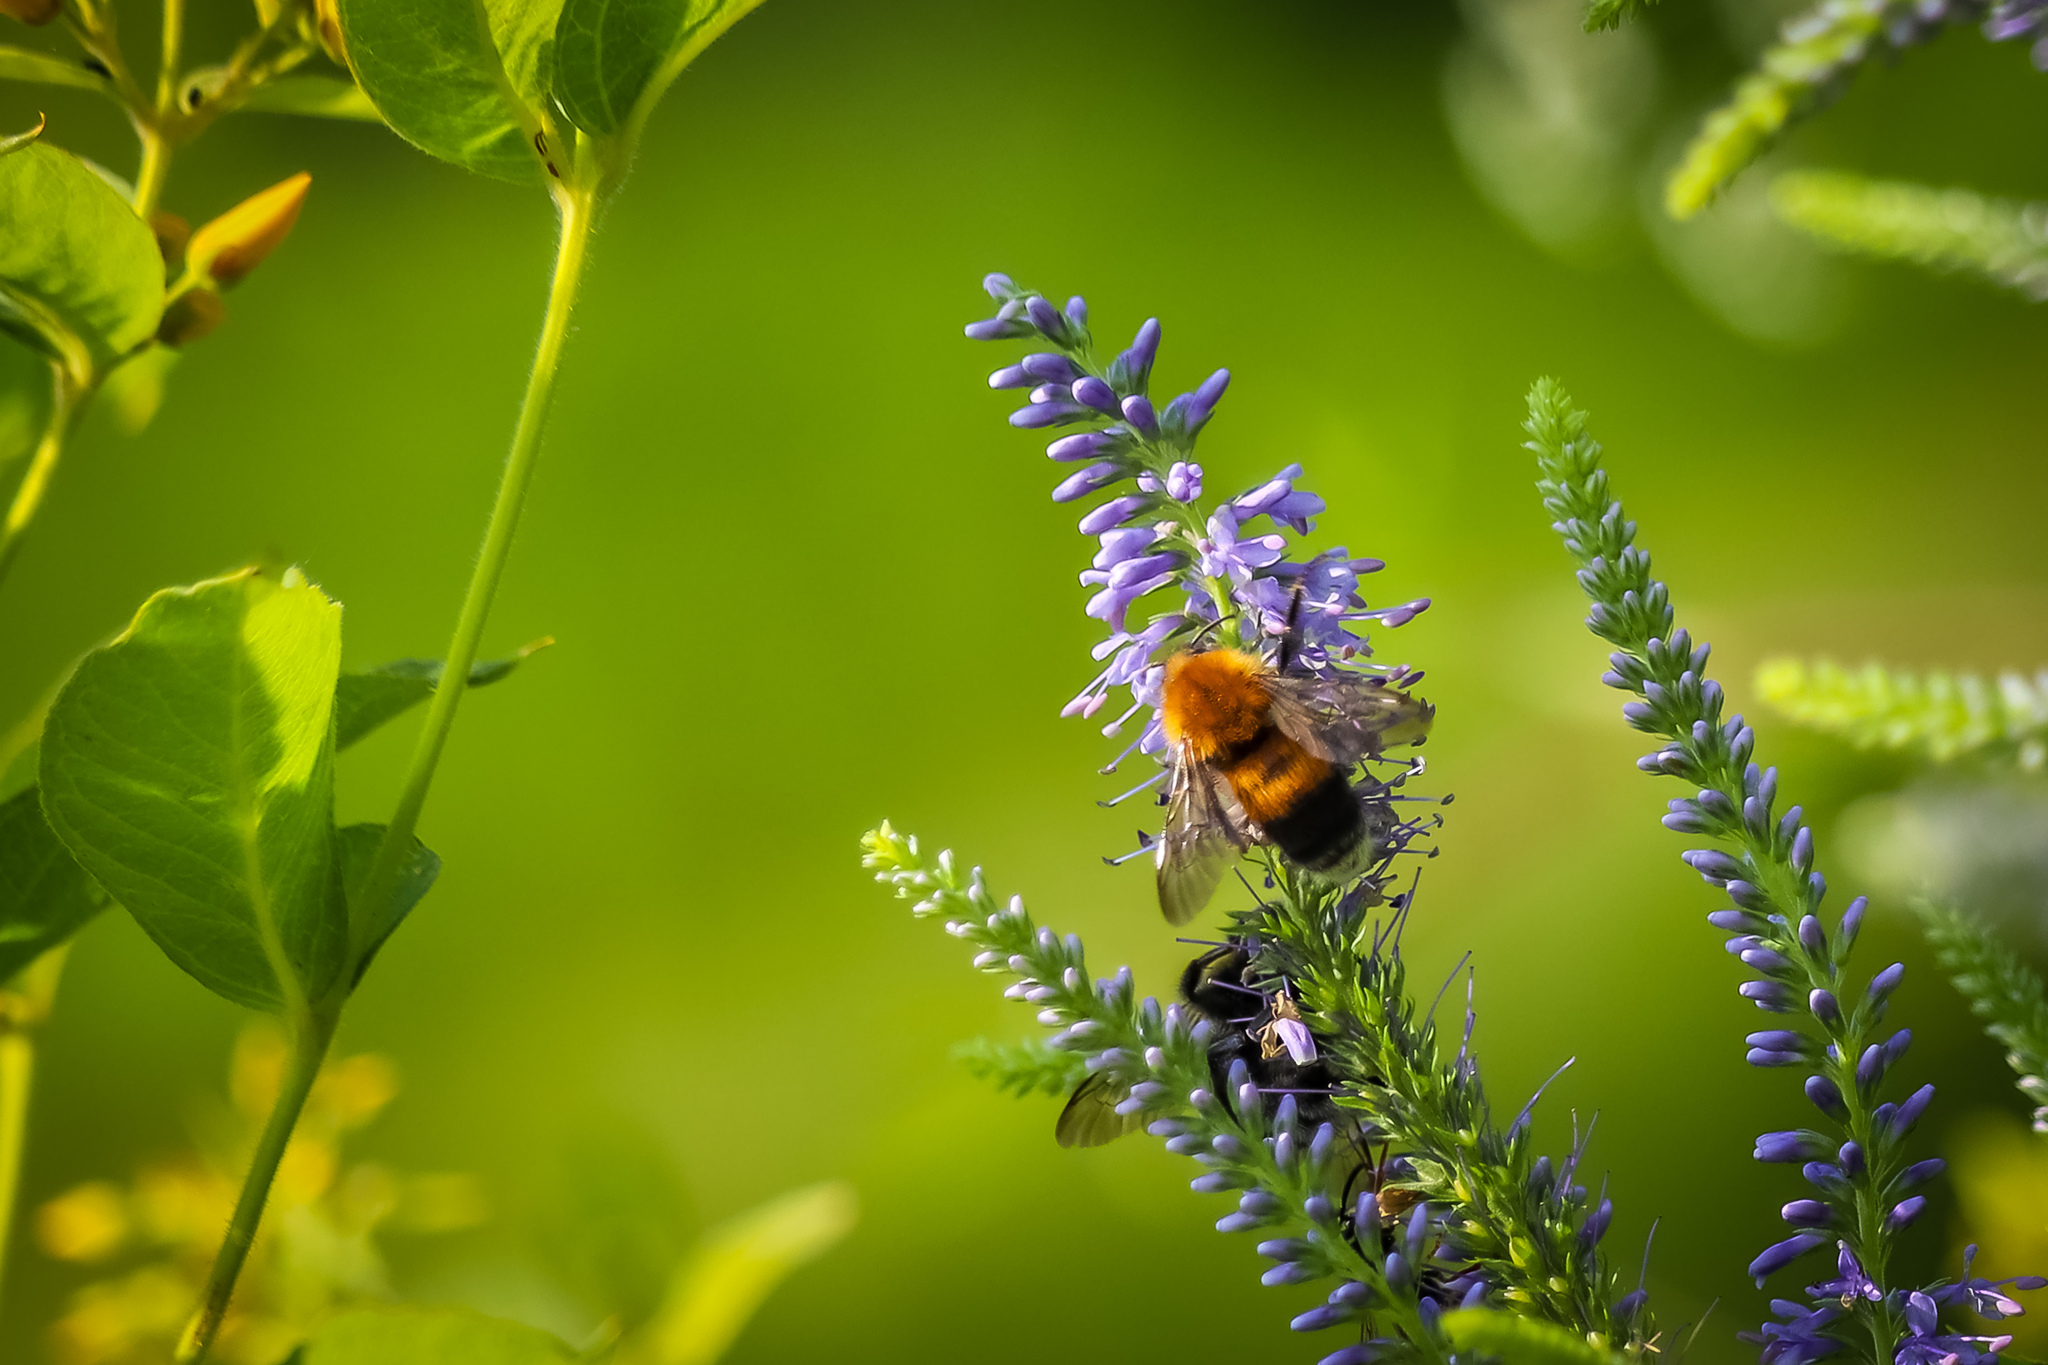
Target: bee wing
1346 717
1204 834
1090 1118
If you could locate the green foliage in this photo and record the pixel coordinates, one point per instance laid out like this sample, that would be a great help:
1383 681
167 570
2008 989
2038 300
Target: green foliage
615 58
40 68
45 896
617 1221
374 697
188 765
1939 715
1027 1066
1795 77
1952 229
355 849
314 97
2002 990
478 83
428 1336
1517 1340
433 69
1612 14
734 1270
80 275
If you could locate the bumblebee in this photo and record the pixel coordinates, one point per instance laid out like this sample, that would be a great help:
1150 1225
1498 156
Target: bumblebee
1262 1029
1262 753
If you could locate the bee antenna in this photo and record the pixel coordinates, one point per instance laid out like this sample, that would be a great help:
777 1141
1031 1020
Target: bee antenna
1290 637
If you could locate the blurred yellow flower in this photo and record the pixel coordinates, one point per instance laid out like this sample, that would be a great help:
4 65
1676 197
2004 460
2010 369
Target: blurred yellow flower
316 1251
2001 1179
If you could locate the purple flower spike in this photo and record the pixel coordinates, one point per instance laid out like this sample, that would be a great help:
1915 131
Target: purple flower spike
1045 318
1851 1282
1807 1213
1781 1254
1086 481
1092 392
1909 1113
1085 445
1115 512
1905 1212
1184 481
1790 1146
1137 410
1049 367
1050 414
1825 1096
1364 1353
1144 348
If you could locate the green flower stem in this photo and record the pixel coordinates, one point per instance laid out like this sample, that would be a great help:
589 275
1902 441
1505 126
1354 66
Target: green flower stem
28 495
153 170
578 204
310 1036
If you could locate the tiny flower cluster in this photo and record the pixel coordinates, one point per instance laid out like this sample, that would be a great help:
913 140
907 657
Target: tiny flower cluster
1231 574
1860 1175
1801 1334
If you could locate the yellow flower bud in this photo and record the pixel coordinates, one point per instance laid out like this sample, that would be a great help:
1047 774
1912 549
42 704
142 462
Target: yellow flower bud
327 22
235 243
86 1223
35 12
191 316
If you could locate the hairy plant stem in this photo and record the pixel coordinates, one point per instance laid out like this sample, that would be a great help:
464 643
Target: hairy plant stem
578 204
42 466
311 1034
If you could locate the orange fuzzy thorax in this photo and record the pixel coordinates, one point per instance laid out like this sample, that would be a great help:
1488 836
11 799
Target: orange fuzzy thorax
1215 702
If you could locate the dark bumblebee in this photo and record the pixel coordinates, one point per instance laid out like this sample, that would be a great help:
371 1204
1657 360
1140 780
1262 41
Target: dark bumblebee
1250 1025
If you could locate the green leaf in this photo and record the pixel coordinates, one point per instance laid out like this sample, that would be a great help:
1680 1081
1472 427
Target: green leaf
133 391
14 142
45 896
433 69
429 1336
189 766
356 849
2002 990
1947 229
615 58
1522 1341
1942 716
1023 1067
313 96
41 68
369 699
24 399
80 275
738 1266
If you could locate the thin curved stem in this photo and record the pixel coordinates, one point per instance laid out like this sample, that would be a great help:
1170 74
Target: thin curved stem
42 466
310 1037
154 169
578 205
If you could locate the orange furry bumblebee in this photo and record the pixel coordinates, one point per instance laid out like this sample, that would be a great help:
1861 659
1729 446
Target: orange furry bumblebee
1261 754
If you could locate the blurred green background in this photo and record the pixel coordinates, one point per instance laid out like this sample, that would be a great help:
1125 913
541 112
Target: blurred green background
803 577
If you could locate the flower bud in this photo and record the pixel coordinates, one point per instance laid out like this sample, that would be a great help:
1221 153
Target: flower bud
35 13
235 243
190 316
